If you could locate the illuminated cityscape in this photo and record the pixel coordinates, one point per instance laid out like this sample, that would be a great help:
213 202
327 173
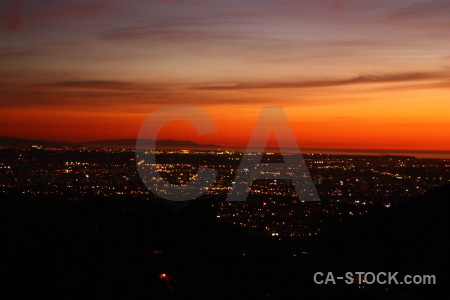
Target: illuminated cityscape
348 185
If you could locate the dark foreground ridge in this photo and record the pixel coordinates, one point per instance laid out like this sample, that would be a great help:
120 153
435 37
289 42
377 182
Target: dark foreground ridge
131 248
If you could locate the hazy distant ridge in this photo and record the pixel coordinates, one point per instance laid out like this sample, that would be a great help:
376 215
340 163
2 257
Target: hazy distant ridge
126 143
11 141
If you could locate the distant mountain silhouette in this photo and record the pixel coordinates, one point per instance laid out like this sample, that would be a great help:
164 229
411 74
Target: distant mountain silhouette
131 143
11 141
126 143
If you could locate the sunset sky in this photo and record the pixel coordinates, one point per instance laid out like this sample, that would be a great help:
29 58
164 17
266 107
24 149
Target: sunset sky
349 73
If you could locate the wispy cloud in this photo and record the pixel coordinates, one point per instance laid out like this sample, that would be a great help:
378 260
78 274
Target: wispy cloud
13 12
106 85
419 10
12 53
55 10
362 79
187 30
431 16
117 96
12 15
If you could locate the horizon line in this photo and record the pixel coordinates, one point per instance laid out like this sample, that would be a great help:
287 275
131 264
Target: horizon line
244 147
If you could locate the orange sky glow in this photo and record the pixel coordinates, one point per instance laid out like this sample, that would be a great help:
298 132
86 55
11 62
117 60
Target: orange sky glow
349 74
